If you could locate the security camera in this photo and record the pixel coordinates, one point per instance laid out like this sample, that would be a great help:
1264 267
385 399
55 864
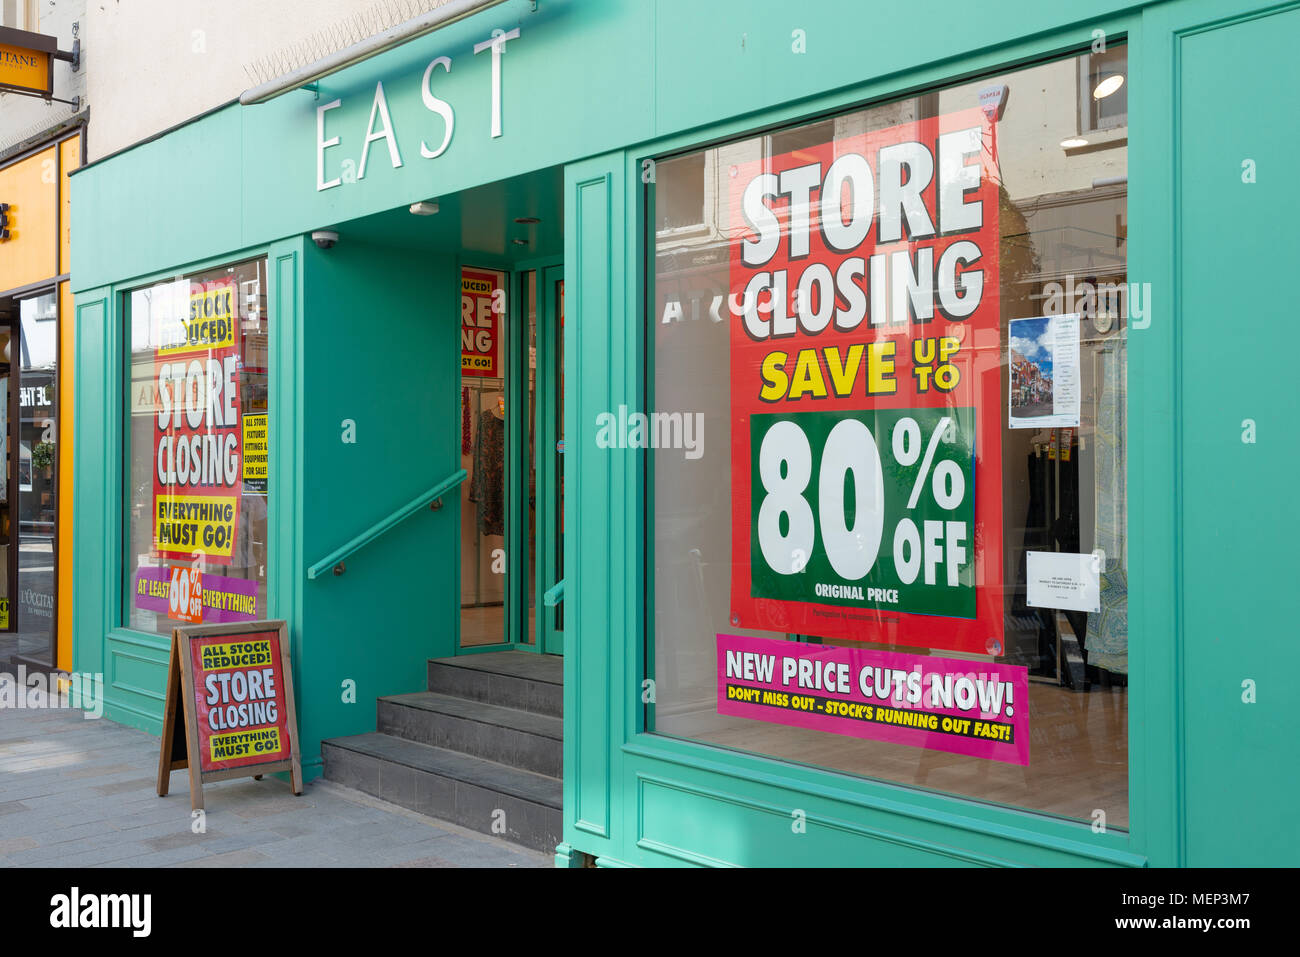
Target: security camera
324 238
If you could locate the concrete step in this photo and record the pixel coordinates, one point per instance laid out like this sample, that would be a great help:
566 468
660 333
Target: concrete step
520 739
473 792
511 679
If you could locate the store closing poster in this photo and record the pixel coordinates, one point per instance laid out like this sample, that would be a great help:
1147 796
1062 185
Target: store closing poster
198 455
482 304
240 700
865 389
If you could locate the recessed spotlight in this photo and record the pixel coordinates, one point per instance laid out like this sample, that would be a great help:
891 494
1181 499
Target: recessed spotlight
1074 142
527 220
424 209
1108 86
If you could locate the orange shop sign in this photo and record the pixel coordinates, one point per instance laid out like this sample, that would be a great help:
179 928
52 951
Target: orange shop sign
27 62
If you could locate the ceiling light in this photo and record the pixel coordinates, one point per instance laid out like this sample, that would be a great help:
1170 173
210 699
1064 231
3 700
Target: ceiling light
527 220
520 242
423 209
1074 142
1108 86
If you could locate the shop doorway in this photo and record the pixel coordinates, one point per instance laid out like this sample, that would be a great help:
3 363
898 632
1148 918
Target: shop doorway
512 447
487 719
28 483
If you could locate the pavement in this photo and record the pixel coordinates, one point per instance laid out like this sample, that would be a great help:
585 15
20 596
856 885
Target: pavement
78 792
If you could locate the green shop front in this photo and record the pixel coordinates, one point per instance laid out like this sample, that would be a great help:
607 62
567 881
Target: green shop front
710 434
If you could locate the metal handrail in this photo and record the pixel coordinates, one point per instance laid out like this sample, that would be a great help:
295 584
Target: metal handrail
554 595
433 498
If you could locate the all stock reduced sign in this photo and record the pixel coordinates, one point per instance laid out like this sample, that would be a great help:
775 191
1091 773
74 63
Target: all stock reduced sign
198 459
239 699
229 709
865 389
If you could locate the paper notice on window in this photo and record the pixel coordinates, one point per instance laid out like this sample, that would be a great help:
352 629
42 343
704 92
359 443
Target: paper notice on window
1043 364
1064 580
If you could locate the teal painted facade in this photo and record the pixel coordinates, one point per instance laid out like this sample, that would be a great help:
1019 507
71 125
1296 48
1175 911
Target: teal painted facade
590 90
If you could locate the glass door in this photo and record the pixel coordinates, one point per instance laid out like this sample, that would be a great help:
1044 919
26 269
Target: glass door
34 430
28 482
8 494
512 380
487 416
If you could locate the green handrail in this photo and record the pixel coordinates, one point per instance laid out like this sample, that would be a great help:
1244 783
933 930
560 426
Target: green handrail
334 560
554 595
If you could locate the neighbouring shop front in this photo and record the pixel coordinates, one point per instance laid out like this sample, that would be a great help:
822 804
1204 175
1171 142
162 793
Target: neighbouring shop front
840 410
36 352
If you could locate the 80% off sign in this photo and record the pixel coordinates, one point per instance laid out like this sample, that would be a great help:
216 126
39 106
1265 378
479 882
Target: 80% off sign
871 508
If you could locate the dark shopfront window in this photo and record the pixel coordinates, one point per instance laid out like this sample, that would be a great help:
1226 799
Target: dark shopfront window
29 484
889 485
196 427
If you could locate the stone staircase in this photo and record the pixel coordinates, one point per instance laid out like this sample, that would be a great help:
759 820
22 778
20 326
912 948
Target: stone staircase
482 747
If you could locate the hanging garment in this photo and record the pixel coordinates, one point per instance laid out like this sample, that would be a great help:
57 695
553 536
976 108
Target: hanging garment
1107 642
488 485
466 443
1065 527
1034 633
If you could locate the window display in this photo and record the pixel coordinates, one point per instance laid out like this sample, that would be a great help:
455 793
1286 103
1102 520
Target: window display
901 552
197 433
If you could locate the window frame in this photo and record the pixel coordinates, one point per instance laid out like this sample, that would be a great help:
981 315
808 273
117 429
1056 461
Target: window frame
121 573
648 753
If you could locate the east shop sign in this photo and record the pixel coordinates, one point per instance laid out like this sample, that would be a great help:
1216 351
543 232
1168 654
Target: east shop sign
381 126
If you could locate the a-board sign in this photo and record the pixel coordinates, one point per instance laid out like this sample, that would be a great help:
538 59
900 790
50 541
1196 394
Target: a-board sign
230 710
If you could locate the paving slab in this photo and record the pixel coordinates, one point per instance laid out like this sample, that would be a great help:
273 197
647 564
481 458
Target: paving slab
79 793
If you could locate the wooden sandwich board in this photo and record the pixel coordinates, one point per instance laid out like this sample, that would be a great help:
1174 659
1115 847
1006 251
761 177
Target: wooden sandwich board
230 710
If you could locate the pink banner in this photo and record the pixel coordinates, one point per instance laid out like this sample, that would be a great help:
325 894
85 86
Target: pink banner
944 704
224 598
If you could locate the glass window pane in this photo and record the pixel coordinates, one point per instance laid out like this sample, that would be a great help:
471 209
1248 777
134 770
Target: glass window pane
888 430
37 437
197 427
484 440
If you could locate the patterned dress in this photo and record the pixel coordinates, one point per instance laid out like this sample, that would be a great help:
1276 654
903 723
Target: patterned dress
488 484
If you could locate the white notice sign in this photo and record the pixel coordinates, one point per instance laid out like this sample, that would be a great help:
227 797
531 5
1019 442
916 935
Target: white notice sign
1064 580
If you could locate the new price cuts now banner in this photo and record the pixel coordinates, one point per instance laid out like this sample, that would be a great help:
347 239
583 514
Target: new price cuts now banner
865 389
922 701
198 460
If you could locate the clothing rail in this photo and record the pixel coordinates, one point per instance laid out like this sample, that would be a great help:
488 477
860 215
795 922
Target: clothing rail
432 498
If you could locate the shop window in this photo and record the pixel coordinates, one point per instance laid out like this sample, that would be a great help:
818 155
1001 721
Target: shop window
887 410
37 484
682 205
197 466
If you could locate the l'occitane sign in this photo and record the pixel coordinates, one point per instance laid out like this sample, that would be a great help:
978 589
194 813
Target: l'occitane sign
25 69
